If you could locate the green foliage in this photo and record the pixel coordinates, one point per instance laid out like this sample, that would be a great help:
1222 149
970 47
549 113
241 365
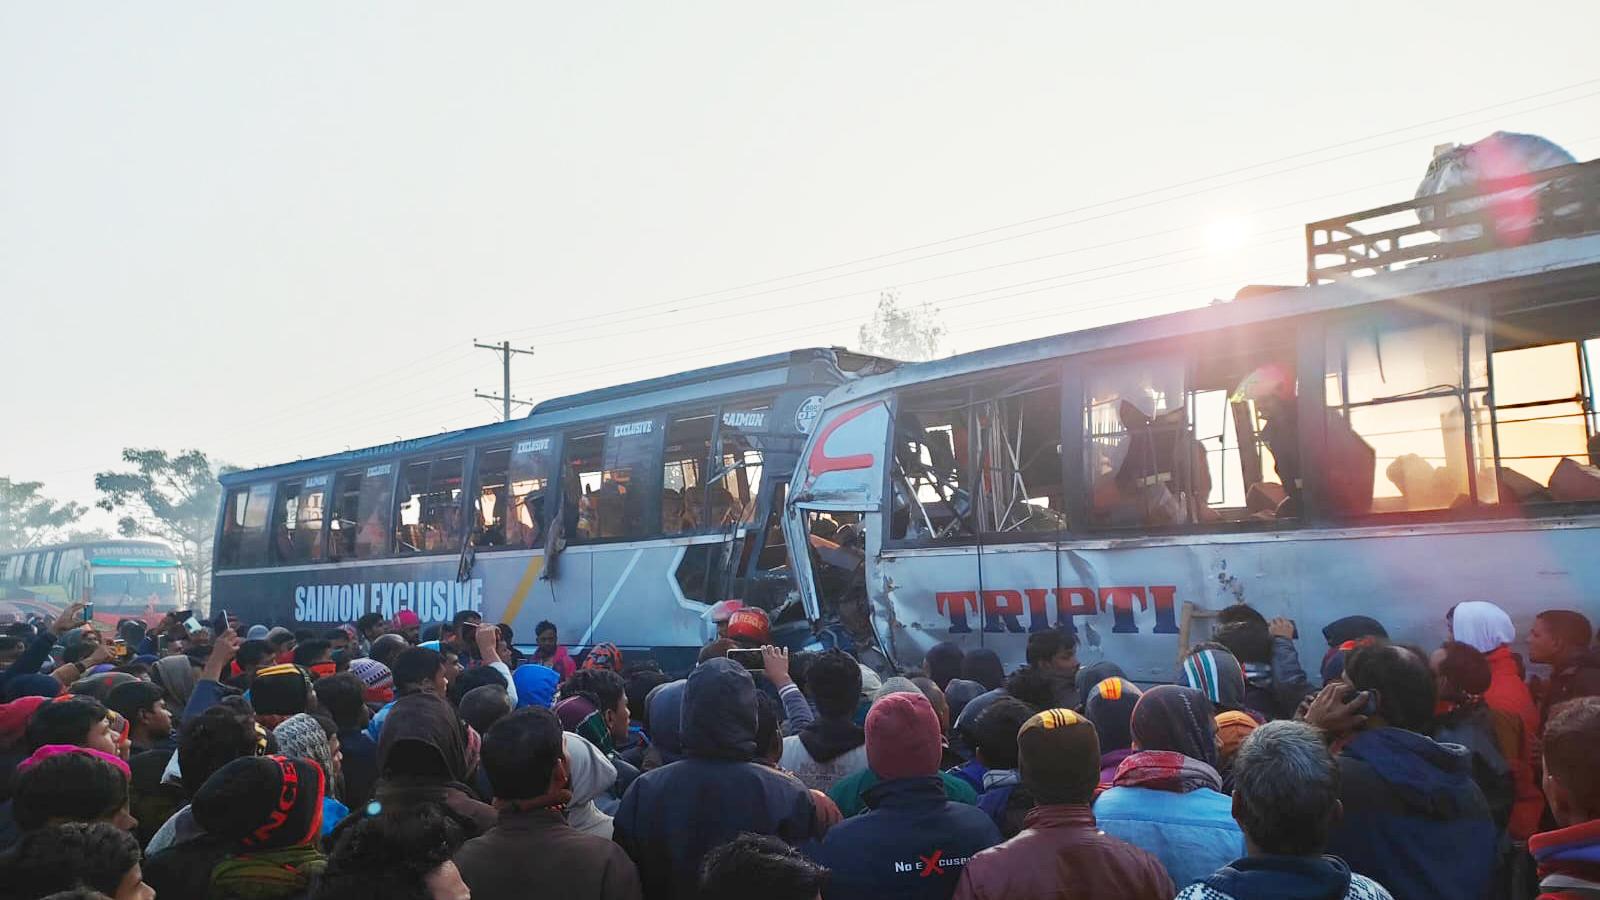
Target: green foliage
28 519
909 334
170 497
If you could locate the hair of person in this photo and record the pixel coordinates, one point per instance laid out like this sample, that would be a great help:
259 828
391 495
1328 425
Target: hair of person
368 620
471 679
414 667
603 685
995 732
135 697
1570 627
1285 788
464 616
210 741
1033 686
1240 612
334 635
254 653
78 893
640 684
834 681
64 722
543 626
1406 688
768 735
936 697
800 667
387 649
485 705
519 753
757 865
433 631
344 696
68 786
1248 640
1570 739
389 856
1044 645
308 652
77 855
715 650
11 644
1465 669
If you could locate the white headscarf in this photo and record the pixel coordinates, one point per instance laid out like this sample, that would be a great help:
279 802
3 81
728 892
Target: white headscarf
1482 625
592 775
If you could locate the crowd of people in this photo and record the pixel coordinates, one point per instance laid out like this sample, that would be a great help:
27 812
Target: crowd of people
384 760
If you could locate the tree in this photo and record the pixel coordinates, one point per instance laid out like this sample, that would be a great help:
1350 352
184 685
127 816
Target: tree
173 498
28 519
912 334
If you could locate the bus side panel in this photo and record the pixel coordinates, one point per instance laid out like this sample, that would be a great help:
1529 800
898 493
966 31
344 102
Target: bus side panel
519 594
932 596
639 603
1127 602
323 597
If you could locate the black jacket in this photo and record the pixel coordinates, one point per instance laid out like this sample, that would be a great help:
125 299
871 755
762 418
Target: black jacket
671 816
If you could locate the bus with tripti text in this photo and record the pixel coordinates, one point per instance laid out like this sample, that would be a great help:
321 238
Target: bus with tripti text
1414 427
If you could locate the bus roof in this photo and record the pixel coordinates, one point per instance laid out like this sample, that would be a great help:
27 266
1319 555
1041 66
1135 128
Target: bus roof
696 385
1562 261
107 542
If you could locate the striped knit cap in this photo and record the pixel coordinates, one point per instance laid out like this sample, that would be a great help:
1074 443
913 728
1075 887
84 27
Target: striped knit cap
1058 756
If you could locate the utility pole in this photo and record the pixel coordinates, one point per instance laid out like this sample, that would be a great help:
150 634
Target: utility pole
505 350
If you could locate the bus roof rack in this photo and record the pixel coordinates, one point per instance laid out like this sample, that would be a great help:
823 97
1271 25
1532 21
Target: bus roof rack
1474 218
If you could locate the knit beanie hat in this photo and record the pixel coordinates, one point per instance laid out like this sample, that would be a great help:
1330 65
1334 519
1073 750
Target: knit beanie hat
895 685
302 736
376 676
262 802
580 715
256 633
279 635
1110 707
99 685
35 684
280 690
1058 757
406 618
604 656
903 737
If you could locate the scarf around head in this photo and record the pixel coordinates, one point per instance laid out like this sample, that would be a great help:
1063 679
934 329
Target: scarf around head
1178 719
176 676
1163 770
430 721
1482 625
582 717
268 874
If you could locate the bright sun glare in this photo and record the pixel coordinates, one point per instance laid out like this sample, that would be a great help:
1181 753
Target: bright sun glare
1226 234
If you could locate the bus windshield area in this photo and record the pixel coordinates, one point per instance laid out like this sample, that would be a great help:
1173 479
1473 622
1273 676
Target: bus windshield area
134 592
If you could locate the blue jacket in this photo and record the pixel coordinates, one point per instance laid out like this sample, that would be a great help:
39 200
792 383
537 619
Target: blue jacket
1285 878
886 853
1193 834
671 816
1414 821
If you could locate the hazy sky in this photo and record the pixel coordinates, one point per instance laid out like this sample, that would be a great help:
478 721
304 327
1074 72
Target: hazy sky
272 230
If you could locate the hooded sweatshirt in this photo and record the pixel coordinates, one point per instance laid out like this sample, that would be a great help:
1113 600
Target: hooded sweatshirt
671 816
824 752
1414 821
591 775
1285 878
422 758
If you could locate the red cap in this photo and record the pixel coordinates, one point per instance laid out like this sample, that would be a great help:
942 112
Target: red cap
903 737
405 618
749 624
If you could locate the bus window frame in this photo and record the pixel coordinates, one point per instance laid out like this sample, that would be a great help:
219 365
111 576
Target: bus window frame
321 550
468 466
509 444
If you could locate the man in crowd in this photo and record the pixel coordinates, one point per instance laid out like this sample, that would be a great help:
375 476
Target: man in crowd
671 816
1055 653
342 696
1560 639
913 842
1413 821
1060 853
533 844
1569 856
833 745
1286 800
144 706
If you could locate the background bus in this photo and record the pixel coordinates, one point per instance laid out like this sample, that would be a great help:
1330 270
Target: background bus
1415 429
619 514
125 579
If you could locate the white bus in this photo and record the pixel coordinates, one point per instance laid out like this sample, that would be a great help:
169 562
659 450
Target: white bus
1412 429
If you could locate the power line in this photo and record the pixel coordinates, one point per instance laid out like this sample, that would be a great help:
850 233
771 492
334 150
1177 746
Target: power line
506 351
545 328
